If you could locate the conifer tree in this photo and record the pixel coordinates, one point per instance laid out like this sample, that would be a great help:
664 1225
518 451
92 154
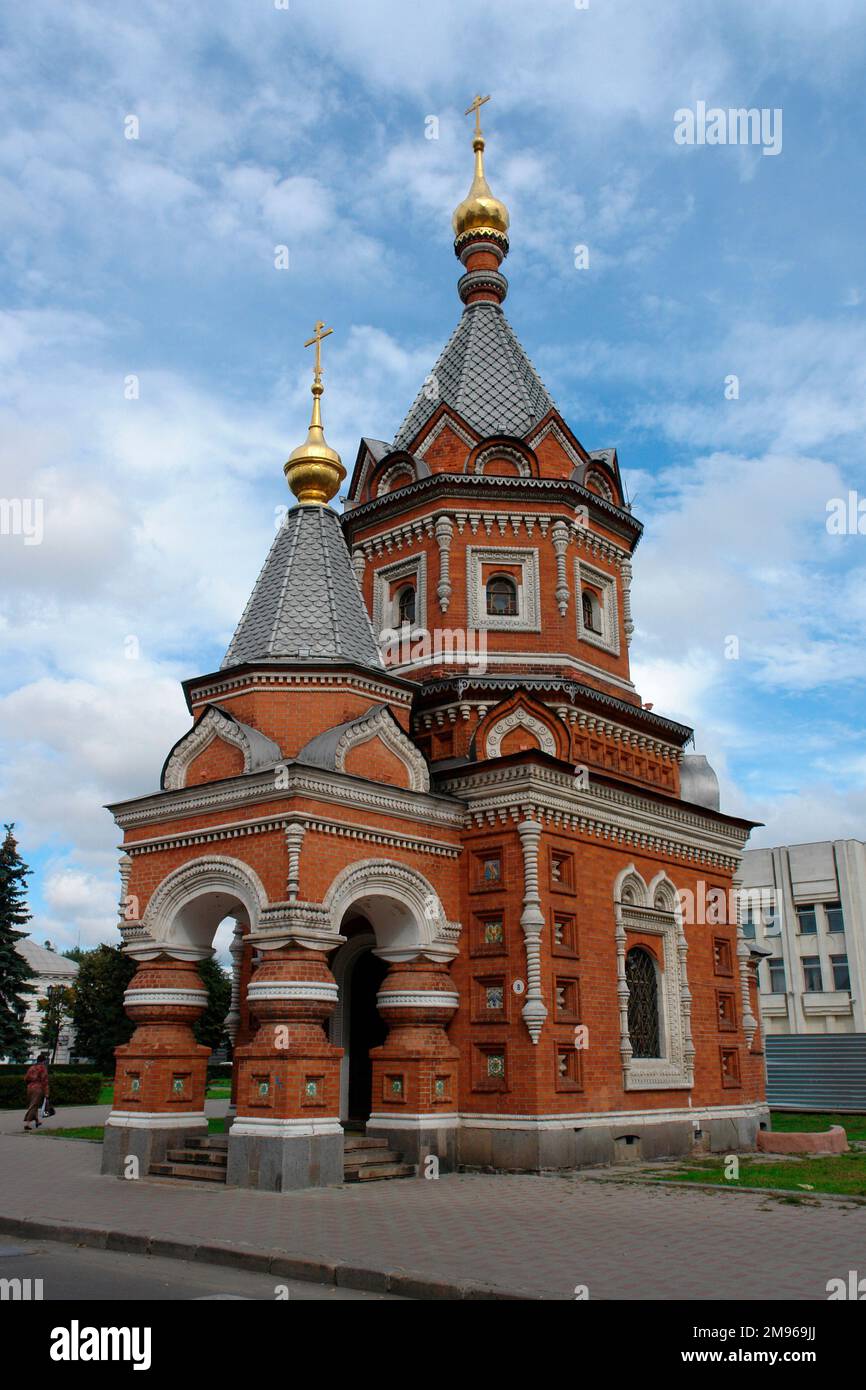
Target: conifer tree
15 1042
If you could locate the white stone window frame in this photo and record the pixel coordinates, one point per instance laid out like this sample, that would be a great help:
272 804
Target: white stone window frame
385 614
528 615
608 638
674 1069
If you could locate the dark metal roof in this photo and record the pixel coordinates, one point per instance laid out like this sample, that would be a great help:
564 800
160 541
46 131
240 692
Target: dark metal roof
484 374
306 604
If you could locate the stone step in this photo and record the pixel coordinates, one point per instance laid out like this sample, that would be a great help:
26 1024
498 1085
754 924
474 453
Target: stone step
218 1158
358 1157
373 1172
352 1142
201 1172
208 1141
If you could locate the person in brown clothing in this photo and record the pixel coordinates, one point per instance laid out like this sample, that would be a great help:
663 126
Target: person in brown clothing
36 1081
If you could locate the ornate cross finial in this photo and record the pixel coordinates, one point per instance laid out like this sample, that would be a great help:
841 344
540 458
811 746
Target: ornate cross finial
317 337
476 107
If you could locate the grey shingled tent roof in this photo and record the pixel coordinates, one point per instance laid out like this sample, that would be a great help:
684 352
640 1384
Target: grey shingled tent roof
306 604
484 374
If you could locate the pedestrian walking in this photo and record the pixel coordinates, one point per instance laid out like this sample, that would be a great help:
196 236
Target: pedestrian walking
36 1081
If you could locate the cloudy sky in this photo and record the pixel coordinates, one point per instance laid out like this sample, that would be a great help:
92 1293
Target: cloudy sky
305 125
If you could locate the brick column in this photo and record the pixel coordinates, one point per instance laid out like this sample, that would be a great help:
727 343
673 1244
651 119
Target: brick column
161 1074
287 1130
415 1071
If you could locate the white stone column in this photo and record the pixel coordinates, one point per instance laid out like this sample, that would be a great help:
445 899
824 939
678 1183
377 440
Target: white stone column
532 921
444 532
628 622
295 832
559 536
750 1023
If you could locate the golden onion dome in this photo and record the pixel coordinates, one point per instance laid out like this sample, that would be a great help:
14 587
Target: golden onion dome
314 471
480 211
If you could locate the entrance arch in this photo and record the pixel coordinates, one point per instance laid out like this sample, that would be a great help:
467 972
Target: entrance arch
357 1025
184 912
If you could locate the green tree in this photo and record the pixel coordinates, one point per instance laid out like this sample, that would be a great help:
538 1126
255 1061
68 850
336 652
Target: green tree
98 1015
56 1010
15 973
210 1029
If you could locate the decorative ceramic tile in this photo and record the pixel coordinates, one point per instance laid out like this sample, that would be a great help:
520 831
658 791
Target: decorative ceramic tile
493 933
311 1088
495 1064
494 996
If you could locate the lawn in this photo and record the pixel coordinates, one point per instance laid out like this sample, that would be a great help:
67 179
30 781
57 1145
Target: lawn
95 1132
788 1120
839 1173
217 1090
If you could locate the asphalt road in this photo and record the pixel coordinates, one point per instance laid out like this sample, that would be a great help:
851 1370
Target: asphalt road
71 1274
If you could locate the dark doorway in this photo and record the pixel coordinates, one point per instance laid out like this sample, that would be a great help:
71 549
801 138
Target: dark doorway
366 1030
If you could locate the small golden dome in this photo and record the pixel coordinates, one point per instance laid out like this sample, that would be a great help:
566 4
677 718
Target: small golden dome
480 211
314 471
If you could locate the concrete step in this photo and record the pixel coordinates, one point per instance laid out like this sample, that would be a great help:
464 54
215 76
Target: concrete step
201 1172
218 1158
360 1141
207 1141
358 1157
373 1172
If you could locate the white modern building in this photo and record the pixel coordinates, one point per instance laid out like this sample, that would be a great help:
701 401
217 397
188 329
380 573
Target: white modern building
47 969
812 920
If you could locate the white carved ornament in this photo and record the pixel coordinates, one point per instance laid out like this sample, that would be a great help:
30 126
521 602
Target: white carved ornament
213 724
381 725
519 719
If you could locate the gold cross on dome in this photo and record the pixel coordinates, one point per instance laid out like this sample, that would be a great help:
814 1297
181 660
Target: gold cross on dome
317 337
476 107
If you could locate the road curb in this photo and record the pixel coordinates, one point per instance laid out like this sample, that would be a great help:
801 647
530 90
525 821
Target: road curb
404 1283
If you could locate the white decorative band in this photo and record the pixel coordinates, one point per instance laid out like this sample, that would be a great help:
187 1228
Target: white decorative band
253 1128
387 1119
157 1119
186 997
291 990
417 999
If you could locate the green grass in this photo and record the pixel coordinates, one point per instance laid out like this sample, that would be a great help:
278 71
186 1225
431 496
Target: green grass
106 1093
839 1173
219 1090
216 1126
788 1120
91 1132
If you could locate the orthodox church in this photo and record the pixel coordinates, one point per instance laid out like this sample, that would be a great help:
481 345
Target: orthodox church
455 844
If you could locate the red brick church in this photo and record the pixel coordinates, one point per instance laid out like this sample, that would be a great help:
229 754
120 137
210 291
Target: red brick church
454 842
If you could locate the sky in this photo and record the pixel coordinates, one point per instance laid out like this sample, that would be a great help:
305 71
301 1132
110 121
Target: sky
155 156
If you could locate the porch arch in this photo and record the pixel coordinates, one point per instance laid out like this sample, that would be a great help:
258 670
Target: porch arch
185 910
401 905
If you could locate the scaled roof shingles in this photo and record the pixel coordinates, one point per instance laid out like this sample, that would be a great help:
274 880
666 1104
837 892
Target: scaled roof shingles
484 374
306 604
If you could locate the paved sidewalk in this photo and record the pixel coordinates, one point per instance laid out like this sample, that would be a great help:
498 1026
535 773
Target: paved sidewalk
538 1235
77 1116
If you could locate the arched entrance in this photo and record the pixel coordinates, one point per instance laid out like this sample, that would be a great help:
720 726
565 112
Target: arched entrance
357 1025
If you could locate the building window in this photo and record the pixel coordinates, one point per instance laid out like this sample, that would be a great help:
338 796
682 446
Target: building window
591 611
501 597
561 870
812 981
565 996
406 605
749 926
568 1076
643 1003
835 920
841 973
776 970
807 921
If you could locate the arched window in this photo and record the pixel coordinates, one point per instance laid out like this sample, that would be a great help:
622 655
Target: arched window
591 611
643 1003
406 605
501 597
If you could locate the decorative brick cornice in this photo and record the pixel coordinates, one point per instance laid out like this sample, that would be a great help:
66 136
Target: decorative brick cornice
656 826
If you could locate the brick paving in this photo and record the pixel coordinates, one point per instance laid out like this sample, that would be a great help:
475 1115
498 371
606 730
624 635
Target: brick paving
542 1235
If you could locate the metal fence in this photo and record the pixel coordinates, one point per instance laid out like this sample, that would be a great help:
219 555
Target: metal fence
817 1071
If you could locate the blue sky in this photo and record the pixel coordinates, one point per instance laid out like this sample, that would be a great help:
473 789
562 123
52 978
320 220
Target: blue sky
305 127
